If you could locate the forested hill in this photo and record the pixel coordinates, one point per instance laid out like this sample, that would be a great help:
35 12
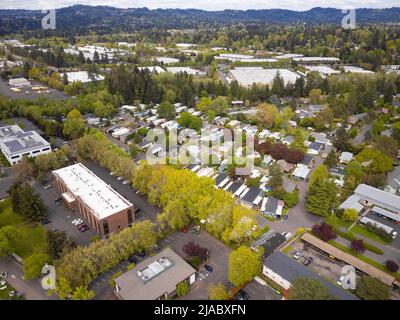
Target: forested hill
102 18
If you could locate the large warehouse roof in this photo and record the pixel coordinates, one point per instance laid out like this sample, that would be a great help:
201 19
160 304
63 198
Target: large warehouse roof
247 76
93 191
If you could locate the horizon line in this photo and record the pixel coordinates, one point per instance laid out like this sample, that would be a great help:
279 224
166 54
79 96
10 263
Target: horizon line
211 10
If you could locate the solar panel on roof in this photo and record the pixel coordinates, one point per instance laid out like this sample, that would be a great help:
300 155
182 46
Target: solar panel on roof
14 145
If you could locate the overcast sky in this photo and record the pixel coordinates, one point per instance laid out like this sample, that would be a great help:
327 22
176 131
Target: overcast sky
203 4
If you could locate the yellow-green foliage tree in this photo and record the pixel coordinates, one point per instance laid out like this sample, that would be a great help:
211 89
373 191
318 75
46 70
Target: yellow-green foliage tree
244 265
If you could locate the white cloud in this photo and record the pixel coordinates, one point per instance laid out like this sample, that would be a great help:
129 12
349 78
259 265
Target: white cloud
202 4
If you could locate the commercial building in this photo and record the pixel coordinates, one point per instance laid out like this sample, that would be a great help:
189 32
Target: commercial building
82 76
19 82
97 202
155 278
246 76
16 143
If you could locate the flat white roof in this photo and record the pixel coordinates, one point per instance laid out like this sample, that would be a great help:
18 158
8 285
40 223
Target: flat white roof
316 59
324 70
13 140
94 192
166 60
353 69
152 69
188 70
247 76
82 76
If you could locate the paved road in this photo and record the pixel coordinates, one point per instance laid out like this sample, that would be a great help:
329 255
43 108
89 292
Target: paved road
147 211
361 136
218 260
31 289
298 216
257 291
6 182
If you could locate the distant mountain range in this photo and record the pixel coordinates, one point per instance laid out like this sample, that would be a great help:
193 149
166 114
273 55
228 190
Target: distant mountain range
105 18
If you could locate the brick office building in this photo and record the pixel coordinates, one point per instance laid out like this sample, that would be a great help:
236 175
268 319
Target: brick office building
104 209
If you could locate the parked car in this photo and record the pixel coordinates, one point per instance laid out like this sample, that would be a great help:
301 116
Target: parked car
112 173
45 221
58 199
126 182
185 230
141 254
4 275
3 283
308 261
84 229
82 226
394 234
47 187
298 254
77 222
340 280
120 178
287 235
133 259
242 295
208 268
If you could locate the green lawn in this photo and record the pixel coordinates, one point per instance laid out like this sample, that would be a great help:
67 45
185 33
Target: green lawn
368 234
33 238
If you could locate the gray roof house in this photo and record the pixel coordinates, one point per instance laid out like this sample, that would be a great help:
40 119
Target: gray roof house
154 278
252 196
393 181
373 196
283 270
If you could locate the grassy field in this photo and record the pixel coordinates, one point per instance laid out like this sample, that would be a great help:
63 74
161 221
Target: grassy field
33 238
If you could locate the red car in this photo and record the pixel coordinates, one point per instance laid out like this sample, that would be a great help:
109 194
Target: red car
185 230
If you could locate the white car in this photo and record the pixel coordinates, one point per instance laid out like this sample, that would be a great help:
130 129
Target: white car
340 280
120 178
394 234
287 235
3 283
125 182
298 254
77 222
112 173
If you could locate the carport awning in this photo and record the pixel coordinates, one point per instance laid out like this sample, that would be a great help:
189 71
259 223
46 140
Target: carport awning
386 213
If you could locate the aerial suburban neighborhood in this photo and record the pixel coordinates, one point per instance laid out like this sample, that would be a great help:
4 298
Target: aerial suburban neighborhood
211 156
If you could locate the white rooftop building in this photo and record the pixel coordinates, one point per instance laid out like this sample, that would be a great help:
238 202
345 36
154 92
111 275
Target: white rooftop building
246 76
189 71
16 143
82 76
103 200
166 60
353 69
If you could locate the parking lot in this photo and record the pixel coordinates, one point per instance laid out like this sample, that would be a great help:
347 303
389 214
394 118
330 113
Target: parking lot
218 260
257 291
147 211
28 94
396 242
60 217
322 265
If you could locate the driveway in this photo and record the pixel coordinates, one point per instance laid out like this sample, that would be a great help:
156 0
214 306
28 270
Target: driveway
31 289
218 260
257 291
298 216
